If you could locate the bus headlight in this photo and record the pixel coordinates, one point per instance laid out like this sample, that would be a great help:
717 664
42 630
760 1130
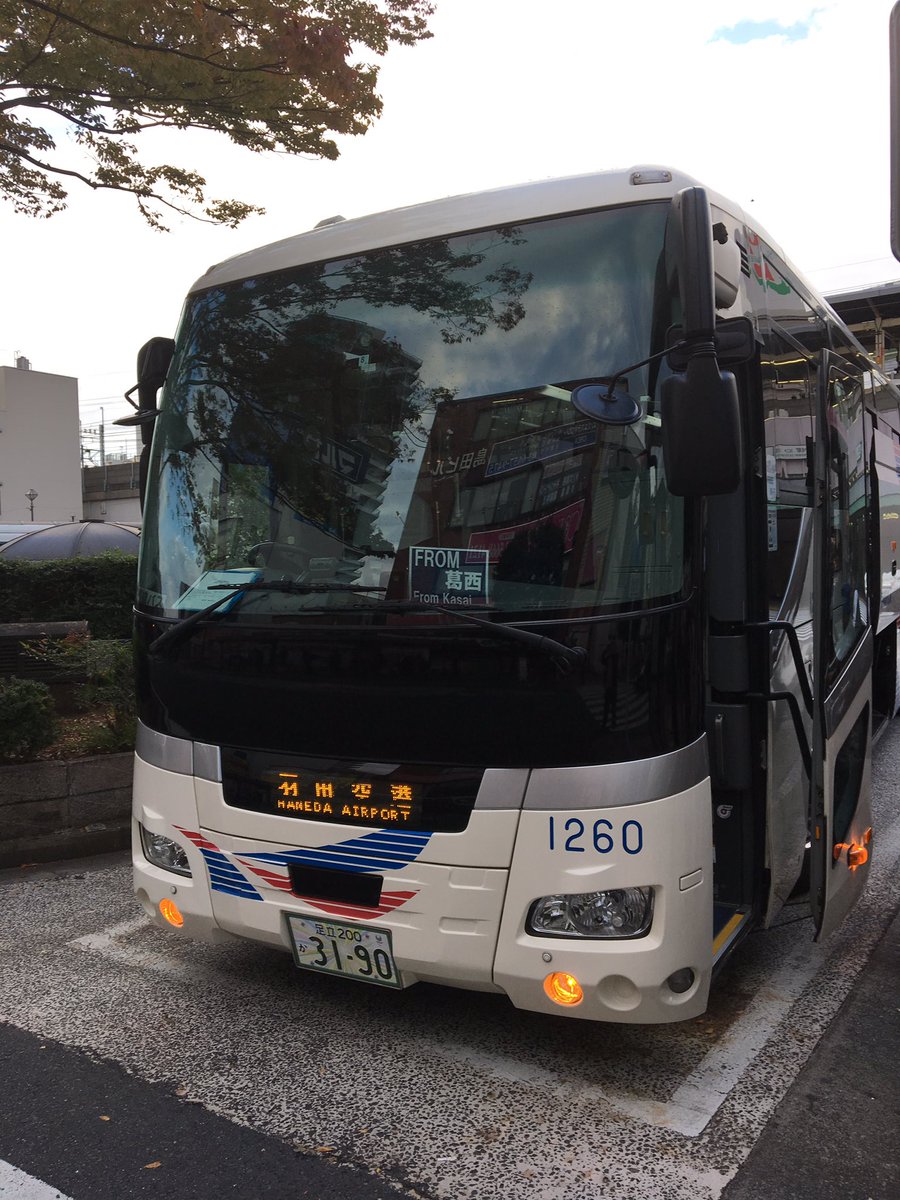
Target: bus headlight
620 913
165 853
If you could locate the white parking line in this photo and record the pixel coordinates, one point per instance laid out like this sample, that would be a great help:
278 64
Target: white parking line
696 1101
702 1092
104 938
16 1185
113 944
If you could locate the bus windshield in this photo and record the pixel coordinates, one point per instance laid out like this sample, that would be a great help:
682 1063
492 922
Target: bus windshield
398 426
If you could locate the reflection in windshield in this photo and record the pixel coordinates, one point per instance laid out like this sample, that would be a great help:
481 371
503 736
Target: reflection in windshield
402 421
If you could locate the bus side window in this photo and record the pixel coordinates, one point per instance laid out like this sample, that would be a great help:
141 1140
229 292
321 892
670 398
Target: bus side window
789 433
846 491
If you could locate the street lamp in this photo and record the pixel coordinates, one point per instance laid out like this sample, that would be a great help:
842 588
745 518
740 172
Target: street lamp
31 495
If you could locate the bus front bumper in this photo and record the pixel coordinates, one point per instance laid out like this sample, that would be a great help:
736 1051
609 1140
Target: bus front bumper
463 926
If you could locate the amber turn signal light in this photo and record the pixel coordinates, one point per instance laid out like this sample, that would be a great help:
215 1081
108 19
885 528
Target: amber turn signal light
563 989
856 854
170 912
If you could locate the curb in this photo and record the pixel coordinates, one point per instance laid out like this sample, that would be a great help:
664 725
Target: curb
66 844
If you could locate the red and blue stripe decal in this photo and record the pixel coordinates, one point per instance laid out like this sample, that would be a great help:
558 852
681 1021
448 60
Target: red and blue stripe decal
223 874
380 850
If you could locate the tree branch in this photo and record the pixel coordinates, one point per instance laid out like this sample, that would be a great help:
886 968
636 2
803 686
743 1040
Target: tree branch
143 194
41 50
105 130
277 76
151 48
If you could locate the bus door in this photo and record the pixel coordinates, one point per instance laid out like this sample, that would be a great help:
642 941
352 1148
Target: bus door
840 807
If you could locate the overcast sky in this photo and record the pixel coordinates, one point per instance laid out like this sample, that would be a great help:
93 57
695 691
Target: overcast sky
781 105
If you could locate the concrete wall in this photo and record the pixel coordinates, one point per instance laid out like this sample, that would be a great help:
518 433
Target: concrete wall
110 493
64 808
39 446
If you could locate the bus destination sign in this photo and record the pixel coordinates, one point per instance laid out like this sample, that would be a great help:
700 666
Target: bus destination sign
344 799
448 576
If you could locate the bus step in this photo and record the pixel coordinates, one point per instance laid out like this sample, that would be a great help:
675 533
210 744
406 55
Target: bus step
727 922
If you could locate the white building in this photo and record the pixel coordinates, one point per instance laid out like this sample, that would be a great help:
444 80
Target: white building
40 468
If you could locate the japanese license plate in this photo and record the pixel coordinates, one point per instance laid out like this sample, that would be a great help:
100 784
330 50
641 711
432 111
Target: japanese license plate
340 949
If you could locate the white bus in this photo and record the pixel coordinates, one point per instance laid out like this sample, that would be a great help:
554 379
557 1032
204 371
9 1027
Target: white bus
517 597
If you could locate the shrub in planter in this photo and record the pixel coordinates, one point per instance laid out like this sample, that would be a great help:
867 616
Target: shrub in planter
26 718
102 671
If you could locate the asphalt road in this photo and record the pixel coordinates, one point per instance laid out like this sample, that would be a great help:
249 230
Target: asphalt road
137 1065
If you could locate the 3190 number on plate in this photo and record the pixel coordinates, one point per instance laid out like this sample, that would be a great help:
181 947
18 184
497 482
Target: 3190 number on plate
340 949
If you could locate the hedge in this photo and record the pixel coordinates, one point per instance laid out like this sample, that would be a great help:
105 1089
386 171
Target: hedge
26 718
98 590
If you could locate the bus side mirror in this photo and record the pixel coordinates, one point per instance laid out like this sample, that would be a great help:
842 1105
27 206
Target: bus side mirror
153 361
701 429
701 425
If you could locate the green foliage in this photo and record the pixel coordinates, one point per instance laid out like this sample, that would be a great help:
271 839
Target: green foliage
268 74
103 672
26 718
97 590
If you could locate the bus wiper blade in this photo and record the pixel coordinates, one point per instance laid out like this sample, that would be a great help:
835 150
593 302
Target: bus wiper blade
183 628
563 656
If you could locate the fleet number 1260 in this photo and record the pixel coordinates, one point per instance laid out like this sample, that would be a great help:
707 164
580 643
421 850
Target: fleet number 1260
601 836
